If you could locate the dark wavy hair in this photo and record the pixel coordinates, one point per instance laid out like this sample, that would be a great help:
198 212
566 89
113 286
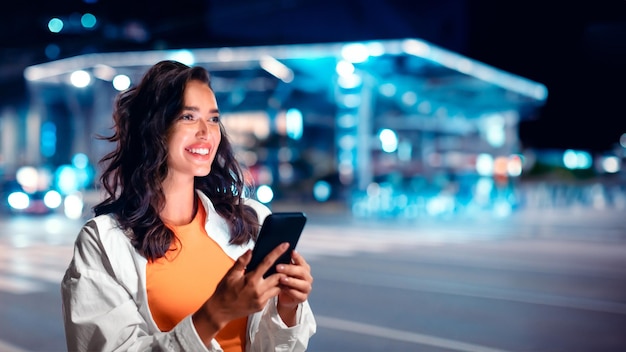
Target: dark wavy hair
134 171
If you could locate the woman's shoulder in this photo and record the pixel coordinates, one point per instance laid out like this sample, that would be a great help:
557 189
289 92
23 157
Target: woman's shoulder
104 246
103 229
261 209
103 223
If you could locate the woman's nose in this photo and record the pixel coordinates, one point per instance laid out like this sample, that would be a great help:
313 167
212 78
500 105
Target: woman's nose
202 129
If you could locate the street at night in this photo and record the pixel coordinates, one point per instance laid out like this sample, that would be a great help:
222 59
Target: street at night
462 165
537 281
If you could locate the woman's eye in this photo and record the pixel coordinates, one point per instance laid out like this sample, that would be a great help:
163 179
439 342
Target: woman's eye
187 117
214 119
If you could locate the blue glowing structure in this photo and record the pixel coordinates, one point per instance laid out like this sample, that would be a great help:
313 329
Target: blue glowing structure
410 127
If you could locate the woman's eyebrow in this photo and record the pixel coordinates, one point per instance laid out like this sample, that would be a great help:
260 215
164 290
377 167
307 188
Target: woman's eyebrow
195 108
192 108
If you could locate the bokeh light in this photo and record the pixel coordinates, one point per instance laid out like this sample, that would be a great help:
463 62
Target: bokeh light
55 25
80 78
121 82
264 194
321 191
88 21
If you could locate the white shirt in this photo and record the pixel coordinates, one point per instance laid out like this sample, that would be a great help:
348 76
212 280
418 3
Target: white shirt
105 306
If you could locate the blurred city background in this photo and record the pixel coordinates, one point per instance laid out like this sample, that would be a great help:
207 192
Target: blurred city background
461 162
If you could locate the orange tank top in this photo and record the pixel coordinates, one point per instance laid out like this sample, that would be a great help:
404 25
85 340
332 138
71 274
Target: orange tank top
181 281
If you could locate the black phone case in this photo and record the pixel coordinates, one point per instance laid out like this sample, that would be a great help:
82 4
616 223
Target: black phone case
277 228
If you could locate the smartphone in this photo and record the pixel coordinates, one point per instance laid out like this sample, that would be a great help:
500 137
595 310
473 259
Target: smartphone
277 228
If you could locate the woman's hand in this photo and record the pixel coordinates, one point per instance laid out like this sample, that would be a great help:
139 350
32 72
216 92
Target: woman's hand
296 285
239 294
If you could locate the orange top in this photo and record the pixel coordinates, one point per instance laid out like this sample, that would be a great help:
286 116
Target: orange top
181 281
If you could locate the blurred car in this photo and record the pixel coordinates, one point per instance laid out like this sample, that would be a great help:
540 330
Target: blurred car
16 200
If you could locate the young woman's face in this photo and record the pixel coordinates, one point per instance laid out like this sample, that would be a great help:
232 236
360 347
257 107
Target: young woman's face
195 136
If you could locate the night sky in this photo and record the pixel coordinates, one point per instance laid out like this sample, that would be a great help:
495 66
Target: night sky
577 49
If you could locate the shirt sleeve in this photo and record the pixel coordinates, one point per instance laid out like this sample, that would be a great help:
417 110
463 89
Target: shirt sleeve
99 311
267 331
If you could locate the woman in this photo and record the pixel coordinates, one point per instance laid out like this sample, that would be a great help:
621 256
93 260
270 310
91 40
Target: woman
161 265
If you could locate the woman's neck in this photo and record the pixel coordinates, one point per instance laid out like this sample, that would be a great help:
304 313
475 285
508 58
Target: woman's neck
181 205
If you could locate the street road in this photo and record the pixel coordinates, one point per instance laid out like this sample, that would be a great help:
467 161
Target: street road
534 282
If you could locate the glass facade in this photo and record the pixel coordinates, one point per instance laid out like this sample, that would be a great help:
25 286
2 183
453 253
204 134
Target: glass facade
392 128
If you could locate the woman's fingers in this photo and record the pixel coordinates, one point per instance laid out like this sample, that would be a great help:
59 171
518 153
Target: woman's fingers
298 269
269 260
298 259
297 283
289 284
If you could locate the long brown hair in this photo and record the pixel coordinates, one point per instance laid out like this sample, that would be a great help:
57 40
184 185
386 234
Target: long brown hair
134 171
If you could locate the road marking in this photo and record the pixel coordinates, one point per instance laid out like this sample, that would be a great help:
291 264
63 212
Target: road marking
28 269
18 285
40 272
347 241
7 347
400 335
475 291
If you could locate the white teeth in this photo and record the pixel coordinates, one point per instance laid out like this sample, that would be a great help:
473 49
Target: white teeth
201 151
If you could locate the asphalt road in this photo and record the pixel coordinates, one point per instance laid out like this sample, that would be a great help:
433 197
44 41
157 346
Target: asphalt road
535 282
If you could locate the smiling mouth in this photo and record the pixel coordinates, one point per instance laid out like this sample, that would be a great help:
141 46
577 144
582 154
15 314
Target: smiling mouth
199 151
